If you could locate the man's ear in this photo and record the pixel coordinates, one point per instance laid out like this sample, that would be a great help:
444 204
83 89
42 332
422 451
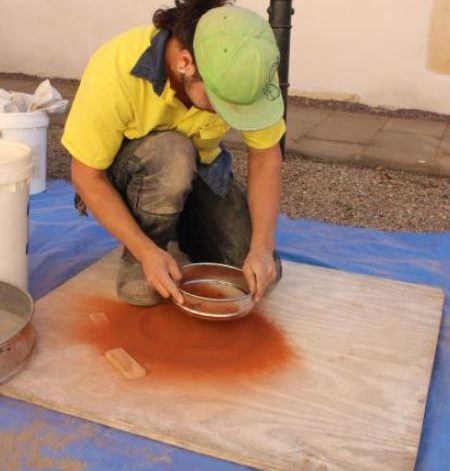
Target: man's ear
185 63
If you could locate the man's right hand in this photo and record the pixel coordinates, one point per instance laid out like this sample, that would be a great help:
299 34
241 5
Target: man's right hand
107 206
162 273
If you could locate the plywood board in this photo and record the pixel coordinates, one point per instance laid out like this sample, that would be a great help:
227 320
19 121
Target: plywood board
349 397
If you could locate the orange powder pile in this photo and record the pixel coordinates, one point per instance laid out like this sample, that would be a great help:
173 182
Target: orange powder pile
171 344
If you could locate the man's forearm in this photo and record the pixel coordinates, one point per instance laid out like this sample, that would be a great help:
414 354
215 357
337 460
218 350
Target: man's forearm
264 189
107 206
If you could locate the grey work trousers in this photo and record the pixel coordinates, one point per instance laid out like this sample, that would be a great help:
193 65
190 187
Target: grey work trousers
156 177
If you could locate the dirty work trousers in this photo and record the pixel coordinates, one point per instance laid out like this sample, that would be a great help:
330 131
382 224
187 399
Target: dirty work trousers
157 178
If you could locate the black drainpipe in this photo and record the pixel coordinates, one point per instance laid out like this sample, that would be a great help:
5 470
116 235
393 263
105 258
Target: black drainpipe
280 12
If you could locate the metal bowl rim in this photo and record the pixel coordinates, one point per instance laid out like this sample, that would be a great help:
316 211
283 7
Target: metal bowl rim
28 319
214 264
214 316
214 300
218 300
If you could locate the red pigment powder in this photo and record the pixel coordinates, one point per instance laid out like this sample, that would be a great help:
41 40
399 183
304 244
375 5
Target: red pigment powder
204 290
216 302
171 344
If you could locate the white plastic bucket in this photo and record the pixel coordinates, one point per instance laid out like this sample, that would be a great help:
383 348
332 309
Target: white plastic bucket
29 129
16 168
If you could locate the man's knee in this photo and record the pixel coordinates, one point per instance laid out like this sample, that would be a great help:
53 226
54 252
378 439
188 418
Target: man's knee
166 163
166 150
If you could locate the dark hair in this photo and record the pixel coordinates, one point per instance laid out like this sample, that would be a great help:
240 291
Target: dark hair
182 19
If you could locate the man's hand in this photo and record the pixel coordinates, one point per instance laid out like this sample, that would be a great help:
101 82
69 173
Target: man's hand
162 273
107 206
260 271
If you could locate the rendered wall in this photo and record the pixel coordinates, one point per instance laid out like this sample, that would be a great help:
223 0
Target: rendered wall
392 53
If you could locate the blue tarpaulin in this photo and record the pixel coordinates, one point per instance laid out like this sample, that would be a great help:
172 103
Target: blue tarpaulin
62 244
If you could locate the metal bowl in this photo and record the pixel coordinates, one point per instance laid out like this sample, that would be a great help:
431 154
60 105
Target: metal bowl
215 291
17 335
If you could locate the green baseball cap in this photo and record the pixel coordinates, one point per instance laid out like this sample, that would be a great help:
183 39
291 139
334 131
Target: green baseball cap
237 57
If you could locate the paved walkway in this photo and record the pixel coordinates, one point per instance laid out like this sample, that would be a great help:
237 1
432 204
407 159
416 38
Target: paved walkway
418 145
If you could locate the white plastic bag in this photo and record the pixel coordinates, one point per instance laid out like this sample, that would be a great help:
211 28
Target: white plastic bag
45 98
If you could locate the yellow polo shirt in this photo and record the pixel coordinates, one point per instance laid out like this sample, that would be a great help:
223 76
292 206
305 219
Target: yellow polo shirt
112 103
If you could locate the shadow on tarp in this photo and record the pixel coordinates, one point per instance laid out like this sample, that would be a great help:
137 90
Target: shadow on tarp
62 244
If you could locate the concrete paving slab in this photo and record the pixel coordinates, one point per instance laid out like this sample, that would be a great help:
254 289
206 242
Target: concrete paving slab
442 164
445 144
417 126
302 120
402 150
348 127
329 150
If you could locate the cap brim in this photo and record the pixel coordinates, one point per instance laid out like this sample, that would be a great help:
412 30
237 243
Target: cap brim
261 114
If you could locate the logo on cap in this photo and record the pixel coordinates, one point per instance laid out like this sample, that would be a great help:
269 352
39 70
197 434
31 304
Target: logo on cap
271 90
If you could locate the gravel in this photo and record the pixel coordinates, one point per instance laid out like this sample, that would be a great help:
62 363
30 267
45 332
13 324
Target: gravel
335 193
375 198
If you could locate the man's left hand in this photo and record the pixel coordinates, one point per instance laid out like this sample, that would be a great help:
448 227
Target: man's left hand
260 271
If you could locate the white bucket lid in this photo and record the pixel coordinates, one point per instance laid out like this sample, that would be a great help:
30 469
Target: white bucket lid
32 119
16 163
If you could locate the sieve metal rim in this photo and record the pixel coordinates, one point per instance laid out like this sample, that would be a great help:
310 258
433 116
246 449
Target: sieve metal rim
215 282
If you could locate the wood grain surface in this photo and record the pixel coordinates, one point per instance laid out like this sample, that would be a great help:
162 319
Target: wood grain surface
353 400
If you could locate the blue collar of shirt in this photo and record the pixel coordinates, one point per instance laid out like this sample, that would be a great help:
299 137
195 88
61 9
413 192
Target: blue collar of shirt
150 66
